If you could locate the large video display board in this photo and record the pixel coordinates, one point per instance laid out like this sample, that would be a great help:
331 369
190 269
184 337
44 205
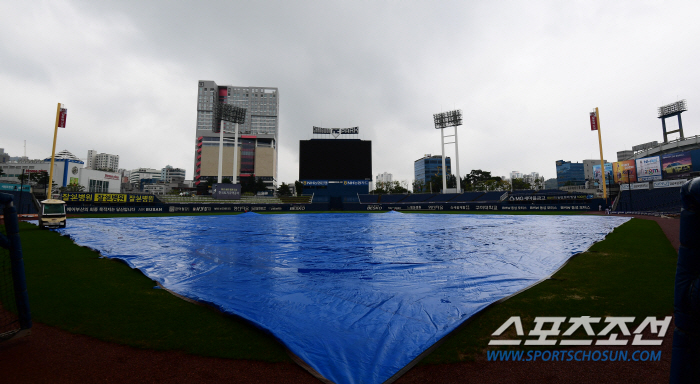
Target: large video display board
335 159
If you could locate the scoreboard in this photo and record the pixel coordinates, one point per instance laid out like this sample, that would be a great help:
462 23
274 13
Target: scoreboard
335 159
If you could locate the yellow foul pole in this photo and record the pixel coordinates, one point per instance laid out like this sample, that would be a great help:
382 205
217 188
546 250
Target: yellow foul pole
53 152
602 162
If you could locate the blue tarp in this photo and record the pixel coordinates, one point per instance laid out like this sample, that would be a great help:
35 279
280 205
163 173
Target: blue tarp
356 296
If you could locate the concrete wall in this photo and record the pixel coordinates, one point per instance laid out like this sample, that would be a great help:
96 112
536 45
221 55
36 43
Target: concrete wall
210 162
265 161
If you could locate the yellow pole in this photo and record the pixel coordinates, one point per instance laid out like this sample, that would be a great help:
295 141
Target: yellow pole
53 152
602 162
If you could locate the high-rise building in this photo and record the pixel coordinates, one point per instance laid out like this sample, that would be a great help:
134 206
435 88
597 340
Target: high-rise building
257 137
551 184
170 174
570 174
588 168
102 161
136 175
4 157
384 178
428 166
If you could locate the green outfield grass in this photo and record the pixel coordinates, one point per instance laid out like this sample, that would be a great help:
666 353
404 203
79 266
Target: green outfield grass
631 273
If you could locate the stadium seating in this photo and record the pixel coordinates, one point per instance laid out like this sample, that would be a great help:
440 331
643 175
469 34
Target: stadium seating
391 198
490 196
369 199
418 197
551 192
466 196
316 199
23 202
297 199
662 200
442 198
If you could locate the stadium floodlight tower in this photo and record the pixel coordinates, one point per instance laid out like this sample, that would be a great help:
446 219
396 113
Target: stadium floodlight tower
670 110
227 112
442 121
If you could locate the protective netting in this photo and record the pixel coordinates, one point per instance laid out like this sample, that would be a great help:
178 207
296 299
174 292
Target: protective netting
356 296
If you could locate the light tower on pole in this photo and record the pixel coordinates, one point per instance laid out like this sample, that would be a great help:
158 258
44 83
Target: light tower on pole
227 112
669 110
442 121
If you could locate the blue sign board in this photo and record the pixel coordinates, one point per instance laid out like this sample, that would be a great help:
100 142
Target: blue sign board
14 187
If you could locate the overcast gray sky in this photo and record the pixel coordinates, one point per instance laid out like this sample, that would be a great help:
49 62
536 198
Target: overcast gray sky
525 74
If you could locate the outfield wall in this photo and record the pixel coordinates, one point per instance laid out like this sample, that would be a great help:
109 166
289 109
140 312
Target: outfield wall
506 207
232 208
198 208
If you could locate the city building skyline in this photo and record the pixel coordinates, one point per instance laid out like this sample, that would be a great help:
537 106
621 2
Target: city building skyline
257 137
101 160
428 166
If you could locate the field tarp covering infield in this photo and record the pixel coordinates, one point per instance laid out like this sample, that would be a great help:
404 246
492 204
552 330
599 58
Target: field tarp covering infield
356 296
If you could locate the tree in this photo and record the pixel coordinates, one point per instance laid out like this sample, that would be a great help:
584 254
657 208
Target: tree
284 190
226 180
418 186
2 173
39 178
23 178
492 184
538 183
381 188
478 177
72 188
451 181
298 187
396 187
260 185
248 184
520 184
436 182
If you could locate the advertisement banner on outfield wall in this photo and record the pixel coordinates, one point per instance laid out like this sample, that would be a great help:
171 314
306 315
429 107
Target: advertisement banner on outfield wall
624 172
636 186
676 165
669 183
597 175
89 197
649 168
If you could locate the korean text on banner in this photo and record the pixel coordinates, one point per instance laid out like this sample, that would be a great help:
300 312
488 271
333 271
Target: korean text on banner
63 115
594 122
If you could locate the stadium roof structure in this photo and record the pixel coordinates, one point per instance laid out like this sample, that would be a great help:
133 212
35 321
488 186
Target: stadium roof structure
678 145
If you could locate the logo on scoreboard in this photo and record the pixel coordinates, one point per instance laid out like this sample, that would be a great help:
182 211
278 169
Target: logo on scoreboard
336 131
